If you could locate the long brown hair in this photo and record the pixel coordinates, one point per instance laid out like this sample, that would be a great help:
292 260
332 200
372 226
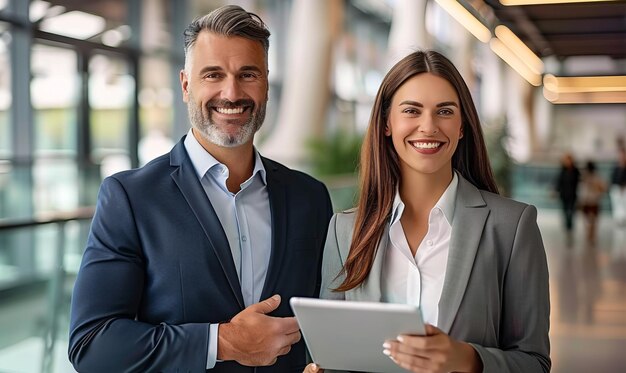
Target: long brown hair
379 166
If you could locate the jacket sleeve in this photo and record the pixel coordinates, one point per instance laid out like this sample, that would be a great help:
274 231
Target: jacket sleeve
105 335
332 263
331 266
524 345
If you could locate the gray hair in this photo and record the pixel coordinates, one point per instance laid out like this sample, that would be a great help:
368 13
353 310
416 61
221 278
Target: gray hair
228 20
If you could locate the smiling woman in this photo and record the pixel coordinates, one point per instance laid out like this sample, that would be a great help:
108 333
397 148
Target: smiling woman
425 125
430 230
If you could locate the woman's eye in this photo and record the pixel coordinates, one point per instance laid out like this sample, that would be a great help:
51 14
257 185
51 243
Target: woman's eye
446 112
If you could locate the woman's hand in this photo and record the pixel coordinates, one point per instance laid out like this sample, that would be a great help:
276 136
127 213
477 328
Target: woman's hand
313 368
436 352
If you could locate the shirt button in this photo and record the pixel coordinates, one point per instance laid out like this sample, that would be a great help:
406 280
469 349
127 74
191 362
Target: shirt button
429 242
244 238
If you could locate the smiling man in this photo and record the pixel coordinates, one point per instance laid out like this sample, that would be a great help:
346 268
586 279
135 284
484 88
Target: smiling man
191 259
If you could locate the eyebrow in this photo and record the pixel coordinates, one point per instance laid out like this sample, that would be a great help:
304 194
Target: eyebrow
251 68
208 69
419 104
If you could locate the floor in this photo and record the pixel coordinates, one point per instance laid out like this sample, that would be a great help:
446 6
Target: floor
588 297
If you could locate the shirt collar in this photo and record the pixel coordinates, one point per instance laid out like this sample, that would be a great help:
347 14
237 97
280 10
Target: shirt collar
445 203
203 161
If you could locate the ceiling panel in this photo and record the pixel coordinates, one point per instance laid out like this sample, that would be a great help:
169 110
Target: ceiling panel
565 30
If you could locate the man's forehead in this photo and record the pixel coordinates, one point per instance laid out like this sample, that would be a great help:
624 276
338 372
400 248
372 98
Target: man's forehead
213 39
211 48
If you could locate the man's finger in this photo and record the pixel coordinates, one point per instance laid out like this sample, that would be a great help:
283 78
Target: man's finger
284 351
294 337
288 325
266 306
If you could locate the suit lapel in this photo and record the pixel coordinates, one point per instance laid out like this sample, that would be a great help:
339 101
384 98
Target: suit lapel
278 207
187 181
469 219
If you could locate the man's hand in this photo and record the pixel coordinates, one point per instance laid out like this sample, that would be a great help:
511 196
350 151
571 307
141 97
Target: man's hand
254 339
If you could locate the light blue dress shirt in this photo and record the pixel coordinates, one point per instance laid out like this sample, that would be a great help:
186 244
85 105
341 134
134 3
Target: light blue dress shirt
245 217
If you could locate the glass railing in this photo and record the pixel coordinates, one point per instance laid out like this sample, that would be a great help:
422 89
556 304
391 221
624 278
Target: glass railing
39 259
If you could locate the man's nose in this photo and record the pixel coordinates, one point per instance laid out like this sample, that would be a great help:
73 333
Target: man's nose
231 90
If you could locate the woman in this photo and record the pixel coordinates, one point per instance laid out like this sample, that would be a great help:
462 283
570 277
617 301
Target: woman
592 189
430 229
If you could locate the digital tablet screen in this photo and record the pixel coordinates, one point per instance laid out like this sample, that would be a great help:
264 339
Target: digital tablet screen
348 335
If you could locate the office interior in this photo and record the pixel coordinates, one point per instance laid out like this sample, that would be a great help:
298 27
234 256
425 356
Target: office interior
89 88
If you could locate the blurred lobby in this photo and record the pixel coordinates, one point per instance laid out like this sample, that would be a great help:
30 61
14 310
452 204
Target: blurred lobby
91 87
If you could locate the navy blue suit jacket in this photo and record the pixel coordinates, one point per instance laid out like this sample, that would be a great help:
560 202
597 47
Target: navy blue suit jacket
158 269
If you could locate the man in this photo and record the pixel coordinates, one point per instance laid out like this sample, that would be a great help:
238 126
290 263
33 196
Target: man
192 259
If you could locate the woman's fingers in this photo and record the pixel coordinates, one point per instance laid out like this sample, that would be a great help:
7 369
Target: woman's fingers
313 368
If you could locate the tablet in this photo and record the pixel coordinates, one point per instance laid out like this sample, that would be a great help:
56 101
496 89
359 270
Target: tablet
347 335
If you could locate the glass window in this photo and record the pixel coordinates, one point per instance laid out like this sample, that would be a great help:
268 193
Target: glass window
156 114
156 26
54 93
5 92
111 92
4 5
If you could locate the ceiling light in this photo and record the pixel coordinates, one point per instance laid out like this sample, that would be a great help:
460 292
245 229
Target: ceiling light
467 19
519 48
579 84
585 89
543 2
586 98
75 24
515 62
37 10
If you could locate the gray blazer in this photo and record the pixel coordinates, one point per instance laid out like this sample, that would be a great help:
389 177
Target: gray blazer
495 294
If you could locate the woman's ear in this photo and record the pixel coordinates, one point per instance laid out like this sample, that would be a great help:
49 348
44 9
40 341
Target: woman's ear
387 129
461 133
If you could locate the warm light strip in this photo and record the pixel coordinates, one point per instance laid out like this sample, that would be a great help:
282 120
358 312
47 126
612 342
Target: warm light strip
467 19
585 89
541 2
514 61
586 98
580 84
519 48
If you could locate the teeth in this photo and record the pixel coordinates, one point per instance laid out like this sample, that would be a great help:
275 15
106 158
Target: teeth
426 145
229 111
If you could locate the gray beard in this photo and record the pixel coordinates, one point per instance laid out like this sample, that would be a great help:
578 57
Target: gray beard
212 133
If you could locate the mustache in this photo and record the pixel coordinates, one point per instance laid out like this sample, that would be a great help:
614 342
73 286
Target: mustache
227 104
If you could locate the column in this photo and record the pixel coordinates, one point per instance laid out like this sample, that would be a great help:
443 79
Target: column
408 29
305 93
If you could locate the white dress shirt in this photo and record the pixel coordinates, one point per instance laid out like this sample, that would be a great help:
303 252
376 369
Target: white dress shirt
418 280
245 217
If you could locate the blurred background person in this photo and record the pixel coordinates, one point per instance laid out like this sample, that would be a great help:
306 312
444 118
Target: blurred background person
592 188
618 189
567 188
